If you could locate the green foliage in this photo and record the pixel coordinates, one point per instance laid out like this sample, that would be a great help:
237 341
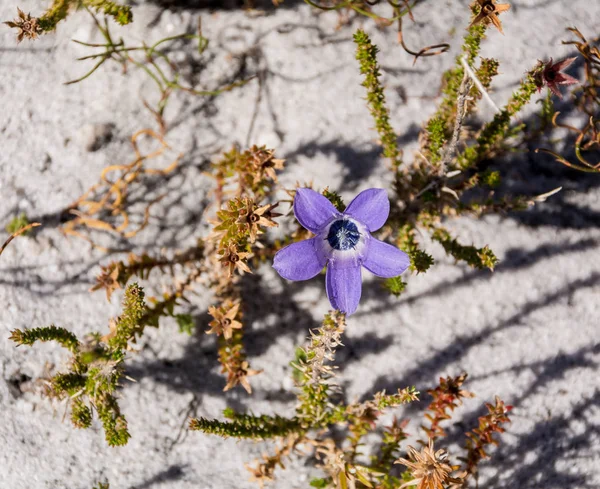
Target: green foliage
48 333
299 359
335 199
114 423
17 223
403 396
395 285
318 410
59 10
314 408
472 42
420 261
121 13
95 369
547 110
389 452
70 382
186 323
366 54
488 69
81 414
439 127
247 426
437 138
495 132
491 178
427 193
129 323
480 258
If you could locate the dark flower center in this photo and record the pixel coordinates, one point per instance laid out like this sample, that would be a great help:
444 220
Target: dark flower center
488 7
343 235
550 75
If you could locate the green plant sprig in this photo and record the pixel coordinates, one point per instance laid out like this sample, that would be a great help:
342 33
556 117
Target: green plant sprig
366 54
59 10
31 27
431 189
494 133
479 258
18 226
247 426
49 333
96 367
167 82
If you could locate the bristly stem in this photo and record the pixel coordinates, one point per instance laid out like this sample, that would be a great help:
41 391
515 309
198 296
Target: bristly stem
21 231
48 333
95 369
60 9
479 258
366 54
495 131
247 426
316 374
461 112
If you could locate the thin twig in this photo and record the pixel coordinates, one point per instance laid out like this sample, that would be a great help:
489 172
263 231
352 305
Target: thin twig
17 233
461 112
432 50
478 84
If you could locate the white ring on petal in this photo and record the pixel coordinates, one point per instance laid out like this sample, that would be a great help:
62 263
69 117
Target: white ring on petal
344 258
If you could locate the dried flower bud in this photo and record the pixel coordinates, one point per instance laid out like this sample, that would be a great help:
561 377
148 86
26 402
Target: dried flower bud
224 321
234 259
489 13
26 25
430 469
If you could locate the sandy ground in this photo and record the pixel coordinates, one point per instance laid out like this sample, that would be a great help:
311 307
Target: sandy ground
527 332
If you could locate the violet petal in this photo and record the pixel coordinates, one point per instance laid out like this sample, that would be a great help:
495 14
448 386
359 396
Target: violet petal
299 261
564 79
371 207
385 260
565 63
344 287
312 209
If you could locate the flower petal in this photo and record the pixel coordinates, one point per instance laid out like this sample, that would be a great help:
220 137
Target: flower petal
385 260
564 79
554 89
299 261
565 63
312 209
344 287
371 207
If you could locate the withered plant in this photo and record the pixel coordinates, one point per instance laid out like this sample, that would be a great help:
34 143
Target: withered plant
586 100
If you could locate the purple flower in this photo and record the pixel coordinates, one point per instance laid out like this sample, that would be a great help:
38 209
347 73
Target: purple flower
343 242
552 76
